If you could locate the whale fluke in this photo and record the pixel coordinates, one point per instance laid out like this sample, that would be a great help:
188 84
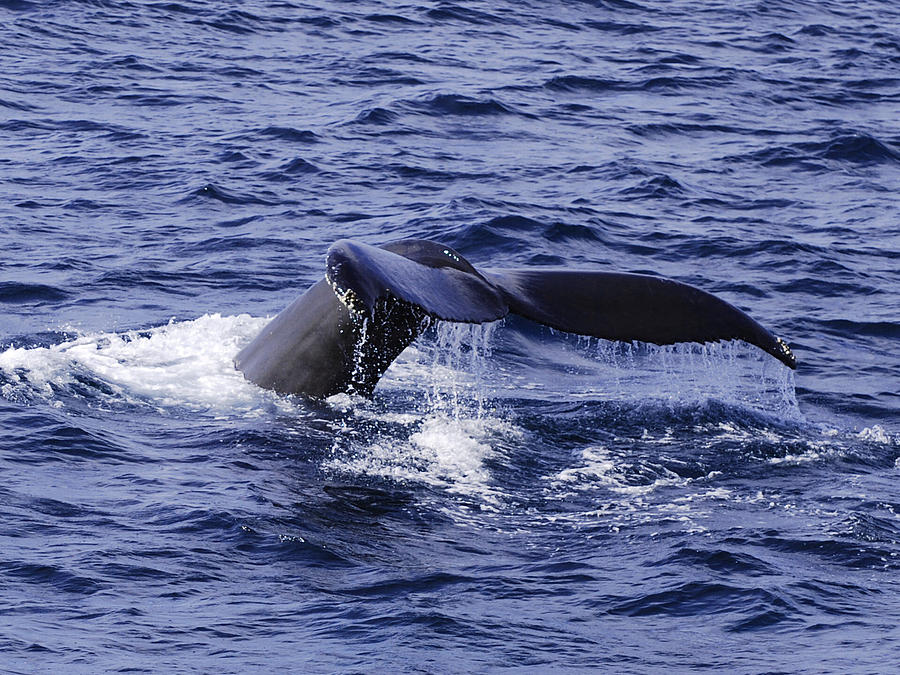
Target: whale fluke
344 332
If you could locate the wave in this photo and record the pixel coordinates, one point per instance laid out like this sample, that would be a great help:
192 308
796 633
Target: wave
434 175
851 147
238 242
378 76
619 28
662 129
449 12
290 170
377 116
662 84
575 83
692 598
657 187
855 147
241 22
226 196
56 577
29 293
842 327
391 19
457 104
281 133
18 105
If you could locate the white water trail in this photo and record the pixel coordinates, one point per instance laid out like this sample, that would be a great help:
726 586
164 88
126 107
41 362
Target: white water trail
181 364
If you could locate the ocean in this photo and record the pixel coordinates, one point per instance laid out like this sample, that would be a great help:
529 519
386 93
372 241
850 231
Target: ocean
512 498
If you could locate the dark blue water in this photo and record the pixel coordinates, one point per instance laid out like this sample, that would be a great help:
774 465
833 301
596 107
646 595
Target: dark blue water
172 173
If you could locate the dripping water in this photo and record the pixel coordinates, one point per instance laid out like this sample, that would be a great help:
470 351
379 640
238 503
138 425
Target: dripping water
458 365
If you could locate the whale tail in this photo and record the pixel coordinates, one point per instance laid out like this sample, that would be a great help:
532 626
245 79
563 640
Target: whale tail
344 332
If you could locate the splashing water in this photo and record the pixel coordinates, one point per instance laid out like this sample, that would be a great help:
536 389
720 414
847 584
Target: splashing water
449 433
443 435
459 368
458 360
586 368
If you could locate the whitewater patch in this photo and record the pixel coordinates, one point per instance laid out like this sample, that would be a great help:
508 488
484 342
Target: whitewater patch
599 468
181 364
435 449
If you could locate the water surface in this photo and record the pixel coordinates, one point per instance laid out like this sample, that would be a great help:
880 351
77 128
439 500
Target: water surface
172 174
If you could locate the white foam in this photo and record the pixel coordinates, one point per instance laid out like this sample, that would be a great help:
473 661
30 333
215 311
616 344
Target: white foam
599 468
875 434
183 363
436 449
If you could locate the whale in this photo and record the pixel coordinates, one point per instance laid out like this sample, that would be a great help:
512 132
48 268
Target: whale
342 334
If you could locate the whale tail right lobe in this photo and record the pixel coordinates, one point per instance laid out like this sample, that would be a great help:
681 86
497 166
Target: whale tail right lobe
623 306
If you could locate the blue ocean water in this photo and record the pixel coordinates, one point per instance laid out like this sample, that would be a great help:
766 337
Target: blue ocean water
172 174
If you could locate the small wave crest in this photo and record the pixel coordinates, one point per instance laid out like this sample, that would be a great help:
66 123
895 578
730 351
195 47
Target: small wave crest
845 147
227 196
29 293
457 104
